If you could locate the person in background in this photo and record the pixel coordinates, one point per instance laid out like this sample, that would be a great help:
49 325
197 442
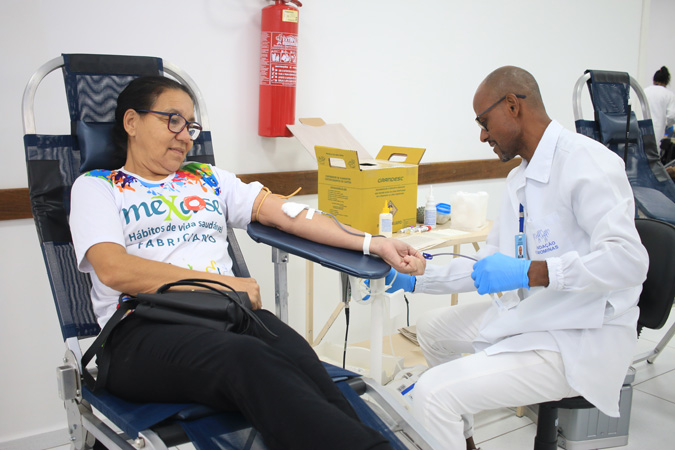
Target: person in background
661 102
159 219
566 324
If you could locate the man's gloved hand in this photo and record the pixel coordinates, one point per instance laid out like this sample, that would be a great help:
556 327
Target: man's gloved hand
402 281
499 273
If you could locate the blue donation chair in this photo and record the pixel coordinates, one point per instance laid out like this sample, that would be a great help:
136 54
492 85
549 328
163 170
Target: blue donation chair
617 127
93 83
591 429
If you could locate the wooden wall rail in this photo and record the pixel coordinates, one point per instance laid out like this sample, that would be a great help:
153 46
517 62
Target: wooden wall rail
14 203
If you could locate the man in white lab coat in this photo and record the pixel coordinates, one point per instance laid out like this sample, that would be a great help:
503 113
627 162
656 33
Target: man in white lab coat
566 324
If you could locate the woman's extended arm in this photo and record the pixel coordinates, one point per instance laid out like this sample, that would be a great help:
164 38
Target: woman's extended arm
325 230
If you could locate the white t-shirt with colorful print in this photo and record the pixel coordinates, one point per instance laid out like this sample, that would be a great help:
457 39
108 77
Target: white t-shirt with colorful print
181 220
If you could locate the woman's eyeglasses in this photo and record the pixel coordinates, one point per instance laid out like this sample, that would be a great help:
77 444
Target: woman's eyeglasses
177 123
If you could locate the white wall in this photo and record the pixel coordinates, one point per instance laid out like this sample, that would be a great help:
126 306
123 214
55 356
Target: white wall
394 72
659 43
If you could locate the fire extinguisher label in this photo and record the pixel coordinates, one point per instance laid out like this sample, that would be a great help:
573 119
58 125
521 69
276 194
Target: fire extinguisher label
289 15
278 58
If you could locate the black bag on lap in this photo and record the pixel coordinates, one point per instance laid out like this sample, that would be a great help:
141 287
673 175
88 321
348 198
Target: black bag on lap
203 305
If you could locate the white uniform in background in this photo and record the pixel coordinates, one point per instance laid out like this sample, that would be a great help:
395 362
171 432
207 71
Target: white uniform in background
662 106
579 217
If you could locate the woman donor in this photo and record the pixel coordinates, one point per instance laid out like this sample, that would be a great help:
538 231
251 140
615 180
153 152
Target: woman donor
159 219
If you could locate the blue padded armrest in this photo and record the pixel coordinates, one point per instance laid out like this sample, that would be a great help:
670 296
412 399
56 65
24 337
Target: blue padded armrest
347 261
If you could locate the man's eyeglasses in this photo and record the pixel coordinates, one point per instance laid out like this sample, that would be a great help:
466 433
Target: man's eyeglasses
177 123
483 125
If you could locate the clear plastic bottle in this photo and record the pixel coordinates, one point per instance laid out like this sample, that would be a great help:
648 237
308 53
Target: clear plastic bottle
430 209
386 221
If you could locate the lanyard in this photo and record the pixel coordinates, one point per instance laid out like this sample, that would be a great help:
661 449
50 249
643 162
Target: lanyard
521 220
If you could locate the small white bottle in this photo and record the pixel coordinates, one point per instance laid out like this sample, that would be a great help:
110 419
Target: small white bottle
386 221
430 209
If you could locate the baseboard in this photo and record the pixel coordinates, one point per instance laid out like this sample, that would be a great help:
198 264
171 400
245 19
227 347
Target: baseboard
43 441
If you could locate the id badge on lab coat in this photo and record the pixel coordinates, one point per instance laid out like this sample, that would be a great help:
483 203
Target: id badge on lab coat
521 246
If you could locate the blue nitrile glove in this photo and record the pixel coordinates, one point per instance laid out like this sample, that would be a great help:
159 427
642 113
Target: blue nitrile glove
402 281
499 273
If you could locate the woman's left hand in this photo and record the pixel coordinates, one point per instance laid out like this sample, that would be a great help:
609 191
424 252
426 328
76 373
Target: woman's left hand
399 255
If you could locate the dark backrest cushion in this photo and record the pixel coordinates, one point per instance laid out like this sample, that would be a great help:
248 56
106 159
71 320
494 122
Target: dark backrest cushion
97 150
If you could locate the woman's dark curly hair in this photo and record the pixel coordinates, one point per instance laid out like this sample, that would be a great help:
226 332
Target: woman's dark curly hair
141 93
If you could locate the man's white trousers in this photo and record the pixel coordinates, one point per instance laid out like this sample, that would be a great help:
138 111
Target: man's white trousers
456 387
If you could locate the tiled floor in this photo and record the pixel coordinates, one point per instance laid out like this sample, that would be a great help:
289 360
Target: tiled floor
652 414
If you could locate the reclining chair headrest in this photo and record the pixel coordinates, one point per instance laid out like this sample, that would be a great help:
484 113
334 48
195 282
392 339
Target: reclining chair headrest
93 83
613 127
97 150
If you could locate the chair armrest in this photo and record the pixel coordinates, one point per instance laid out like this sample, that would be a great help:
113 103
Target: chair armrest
347 261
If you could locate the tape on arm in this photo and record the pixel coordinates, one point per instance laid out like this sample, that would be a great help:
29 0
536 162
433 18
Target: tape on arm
292 209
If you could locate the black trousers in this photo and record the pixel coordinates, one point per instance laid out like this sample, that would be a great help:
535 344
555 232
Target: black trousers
279 384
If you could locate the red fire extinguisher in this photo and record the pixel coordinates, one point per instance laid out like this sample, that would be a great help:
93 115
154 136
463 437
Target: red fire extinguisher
278 62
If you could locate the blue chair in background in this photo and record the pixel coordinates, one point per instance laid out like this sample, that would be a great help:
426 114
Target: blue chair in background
93 83
616 126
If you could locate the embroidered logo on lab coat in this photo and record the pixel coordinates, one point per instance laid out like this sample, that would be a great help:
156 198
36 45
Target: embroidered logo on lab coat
543 241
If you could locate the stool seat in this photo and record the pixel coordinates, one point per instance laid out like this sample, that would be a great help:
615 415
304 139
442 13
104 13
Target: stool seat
578 402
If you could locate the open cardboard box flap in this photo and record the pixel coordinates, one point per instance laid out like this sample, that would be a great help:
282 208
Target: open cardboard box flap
313 132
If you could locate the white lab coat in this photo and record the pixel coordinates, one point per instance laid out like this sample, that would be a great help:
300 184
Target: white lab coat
579 214
662 107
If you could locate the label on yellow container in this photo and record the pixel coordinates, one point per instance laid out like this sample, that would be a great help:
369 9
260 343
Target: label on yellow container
290 15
